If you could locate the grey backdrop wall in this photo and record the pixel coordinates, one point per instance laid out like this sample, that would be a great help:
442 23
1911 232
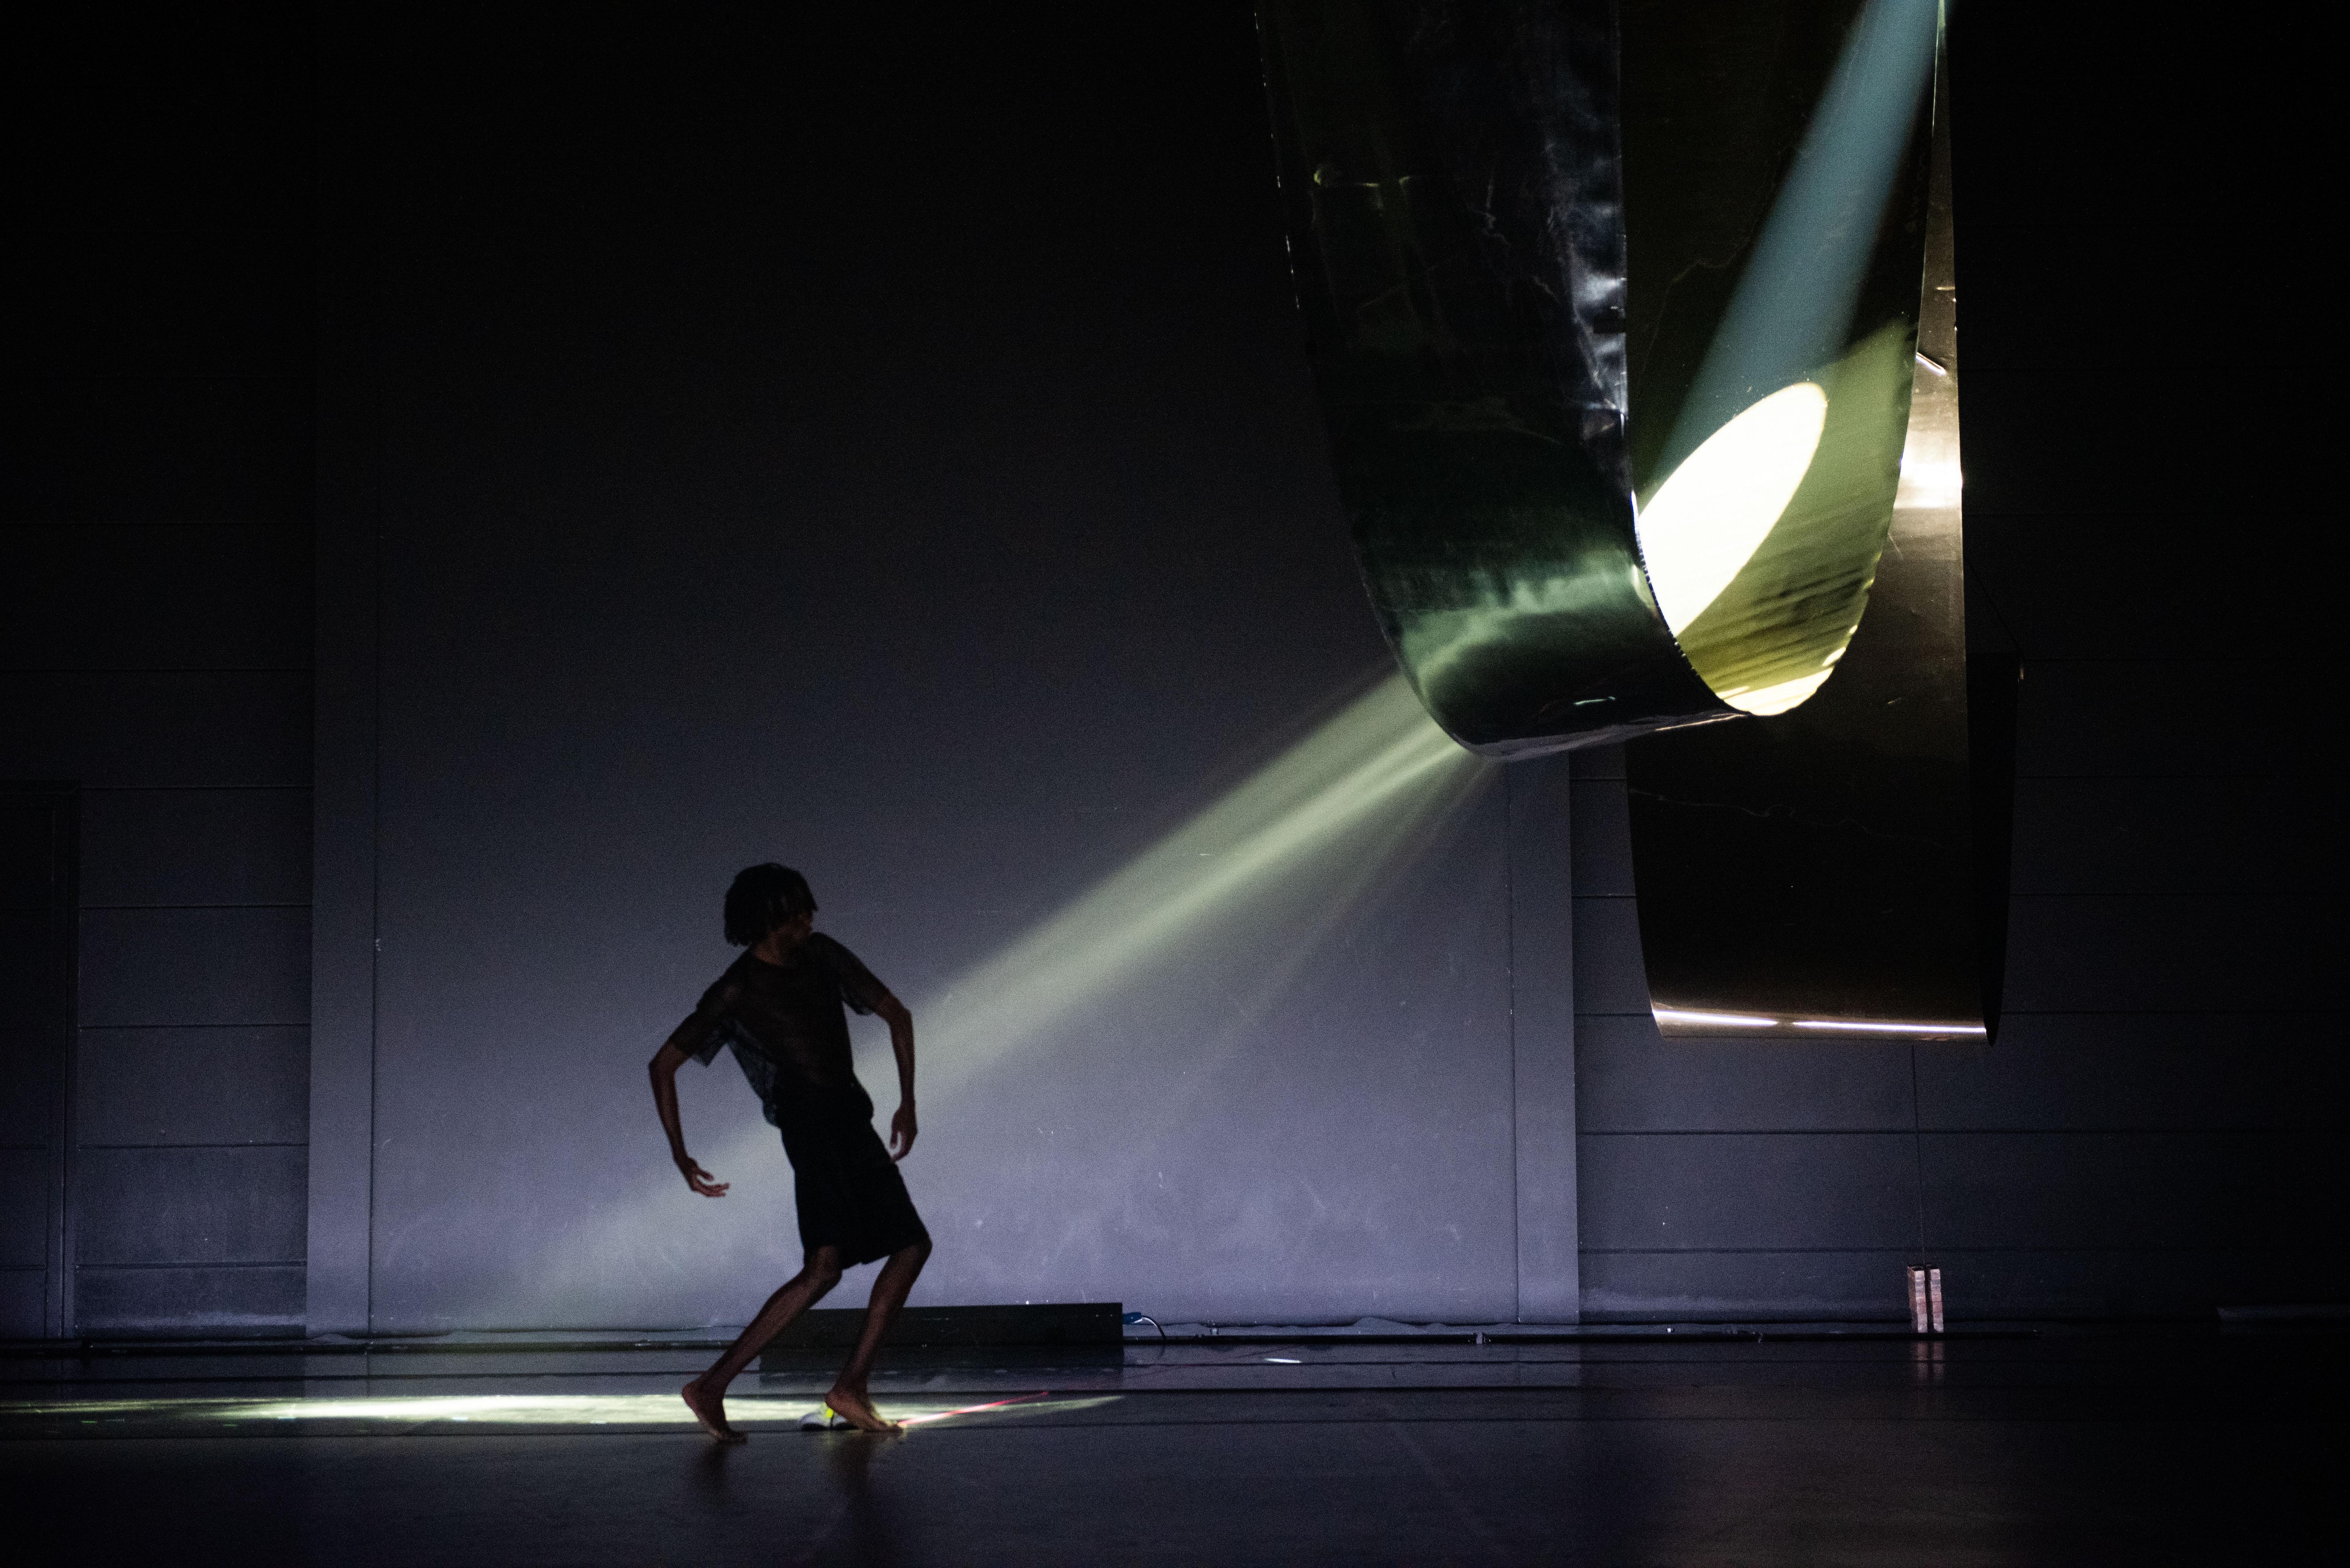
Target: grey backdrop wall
960 539
155 636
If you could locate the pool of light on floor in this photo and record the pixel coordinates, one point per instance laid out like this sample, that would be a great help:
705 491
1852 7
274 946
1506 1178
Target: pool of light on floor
509 1409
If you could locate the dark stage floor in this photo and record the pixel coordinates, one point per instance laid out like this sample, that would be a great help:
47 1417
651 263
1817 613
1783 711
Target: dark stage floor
2057 1446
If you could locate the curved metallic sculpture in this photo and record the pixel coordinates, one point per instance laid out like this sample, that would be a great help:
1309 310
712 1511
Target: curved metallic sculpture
1840 870
1615 309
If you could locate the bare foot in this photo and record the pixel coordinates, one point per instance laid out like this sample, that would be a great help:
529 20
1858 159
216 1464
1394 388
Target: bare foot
852 1407
710 1409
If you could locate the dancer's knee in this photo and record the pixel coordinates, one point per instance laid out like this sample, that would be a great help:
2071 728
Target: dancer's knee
822 1270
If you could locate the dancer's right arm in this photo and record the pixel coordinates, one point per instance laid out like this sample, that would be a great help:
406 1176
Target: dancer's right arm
663 1068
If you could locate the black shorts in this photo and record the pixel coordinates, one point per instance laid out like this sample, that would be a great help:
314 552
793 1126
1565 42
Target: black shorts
848 1189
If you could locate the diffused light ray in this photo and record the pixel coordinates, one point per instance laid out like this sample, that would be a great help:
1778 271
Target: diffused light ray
1884 1028
1357 787
1794 303
1353 785
1083 1218
514 1409
1340 892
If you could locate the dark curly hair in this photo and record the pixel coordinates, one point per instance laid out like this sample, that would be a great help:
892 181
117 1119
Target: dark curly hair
763 898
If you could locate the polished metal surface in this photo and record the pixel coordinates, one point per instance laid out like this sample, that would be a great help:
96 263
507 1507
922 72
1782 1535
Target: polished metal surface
1612 317
1635 331
1775 182
1813 873
1453 187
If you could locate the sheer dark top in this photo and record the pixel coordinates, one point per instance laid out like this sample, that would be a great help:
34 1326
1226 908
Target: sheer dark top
785 1024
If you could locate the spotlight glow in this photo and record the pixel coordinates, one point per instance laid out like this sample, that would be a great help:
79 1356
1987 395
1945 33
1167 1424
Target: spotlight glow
1770 507
1712 513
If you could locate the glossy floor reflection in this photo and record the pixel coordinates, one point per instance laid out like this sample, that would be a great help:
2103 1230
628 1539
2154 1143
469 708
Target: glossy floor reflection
2054 1447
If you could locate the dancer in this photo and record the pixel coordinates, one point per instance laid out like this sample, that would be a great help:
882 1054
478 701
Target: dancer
779 1007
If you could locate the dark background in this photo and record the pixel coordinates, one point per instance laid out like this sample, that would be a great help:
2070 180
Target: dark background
656 442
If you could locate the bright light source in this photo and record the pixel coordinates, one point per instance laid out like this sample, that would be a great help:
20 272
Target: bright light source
1712 513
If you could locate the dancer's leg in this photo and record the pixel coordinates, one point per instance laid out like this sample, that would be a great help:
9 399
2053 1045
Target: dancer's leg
706 1394
890 1287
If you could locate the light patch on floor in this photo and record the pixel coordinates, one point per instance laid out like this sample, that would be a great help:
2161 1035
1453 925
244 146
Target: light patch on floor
515 1409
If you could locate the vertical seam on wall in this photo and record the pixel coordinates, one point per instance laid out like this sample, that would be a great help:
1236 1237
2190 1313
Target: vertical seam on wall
1917 1148
375 782
65 829
1509 959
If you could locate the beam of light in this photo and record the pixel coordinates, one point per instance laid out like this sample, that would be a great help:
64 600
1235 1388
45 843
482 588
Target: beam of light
1683 1015
1378 762
1728 522
1793 303
1328 814
1885 1028
510 1410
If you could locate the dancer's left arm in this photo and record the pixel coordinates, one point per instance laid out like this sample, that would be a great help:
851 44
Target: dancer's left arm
903 1127
663 1068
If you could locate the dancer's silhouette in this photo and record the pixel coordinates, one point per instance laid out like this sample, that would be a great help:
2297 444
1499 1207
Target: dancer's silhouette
779 1007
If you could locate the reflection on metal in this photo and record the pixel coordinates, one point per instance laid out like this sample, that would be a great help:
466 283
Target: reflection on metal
1638 405
1832 870
1709 517
1613 328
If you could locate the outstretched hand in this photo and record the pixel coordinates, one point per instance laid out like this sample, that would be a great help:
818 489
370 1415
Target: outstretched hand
902 1132
701 1180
